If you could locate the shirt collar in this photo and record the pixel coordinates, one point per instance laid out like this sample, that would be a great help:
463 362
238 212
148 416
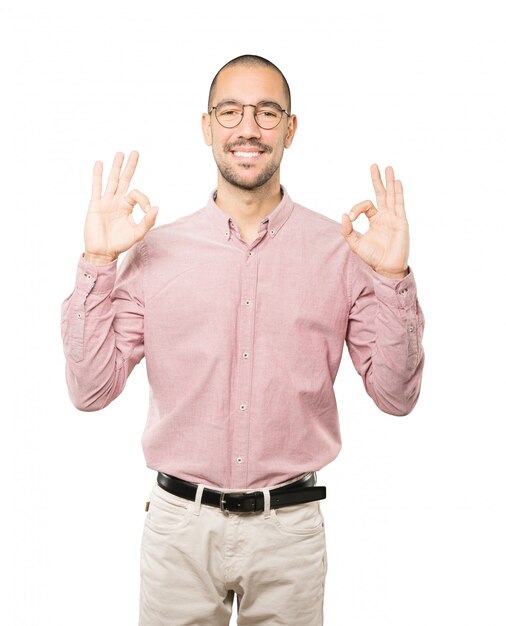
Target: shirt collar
273 221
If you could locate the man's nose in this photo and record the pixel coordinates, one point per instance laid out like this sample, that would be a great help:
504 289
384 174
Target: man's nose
248 126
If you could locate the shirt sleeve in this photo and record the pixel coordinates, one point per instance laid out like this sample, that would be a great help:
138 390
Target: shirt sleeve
102 328
384 336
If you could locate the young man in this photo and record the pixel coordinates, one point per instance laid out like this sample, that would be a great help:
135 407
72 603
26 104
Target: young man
241 309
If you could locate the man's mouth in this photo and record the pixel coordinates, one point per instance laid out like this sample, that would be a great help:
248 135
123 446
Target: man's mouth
247 151
246 155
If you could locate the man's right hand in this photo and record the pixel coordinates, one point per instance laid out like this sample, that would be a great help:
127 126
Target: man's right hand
110 227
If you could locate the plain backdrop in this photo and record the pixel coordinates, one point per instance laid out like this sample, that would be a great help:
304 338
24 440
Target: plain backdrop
415 511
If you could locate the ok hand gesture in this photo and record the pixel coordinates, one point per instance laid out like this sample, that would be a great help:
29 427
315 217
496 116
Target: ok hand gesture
385 246
110 227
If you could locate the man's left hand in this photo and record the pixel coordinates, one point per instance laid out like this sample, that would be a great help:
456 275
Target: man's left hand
385 246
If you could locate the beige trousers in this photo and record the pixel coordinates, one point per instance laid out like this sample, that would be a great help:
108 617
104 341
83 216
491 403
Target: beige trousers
194 557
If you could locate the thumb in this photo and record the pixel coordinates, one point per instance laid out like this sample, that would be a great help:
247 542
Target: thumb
147 222
351 236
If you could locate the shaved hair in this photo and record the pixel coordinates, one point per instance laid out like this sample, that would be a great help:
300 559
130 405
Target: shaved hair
251 60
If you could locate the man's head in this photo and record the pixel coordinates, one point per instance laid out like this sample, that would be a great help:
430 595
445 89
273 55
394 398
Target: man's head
248 156
251 60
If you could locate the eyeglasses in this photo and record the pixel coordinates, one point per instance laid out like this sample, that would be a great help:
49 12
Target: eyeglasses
267 114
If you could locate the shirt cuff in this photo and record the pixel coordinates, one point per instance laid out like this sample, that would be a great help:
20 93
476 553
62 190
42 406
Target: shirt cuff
100 278
395 292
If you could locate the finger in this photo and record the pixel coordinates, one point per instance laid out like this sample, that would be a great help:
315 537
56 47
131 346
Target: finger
96 188
366 207
136 197
389 174
128 172
146 223
379 190
351 236
399 199
112 181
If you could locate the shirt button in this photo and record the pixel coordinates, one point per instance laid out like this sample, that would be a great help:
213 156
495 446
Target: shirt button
272 231
245 355
403 291
251 253
242 407
239 459
226 233
248 302
411 328
79 315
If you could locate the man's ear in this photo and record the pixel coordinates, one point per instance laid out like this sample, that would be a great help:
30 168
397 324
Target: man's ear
292 127
206 129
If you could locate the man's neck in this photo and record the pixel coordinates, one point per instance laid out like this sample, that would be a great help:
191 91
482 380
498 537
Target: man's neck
248 207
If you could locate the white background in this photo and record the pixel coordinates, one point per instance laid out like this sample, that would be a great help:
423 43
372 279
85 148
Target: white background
415 511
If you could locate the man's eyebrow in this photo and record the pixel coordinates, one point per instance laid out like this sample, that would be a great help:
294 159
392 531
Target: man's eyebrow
269 103
261 103
229 101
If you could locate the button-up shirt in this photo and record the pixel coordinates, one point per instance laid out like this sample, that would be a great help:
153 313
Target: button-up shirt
242 342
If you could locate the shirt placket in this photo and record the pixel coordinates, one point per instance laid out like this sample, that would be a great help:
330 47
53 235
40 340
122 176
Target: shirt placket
83 288
241 409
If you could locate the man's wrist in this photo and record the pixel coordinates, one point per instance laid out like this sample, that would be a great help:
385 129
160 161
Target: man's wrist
98 259
395 276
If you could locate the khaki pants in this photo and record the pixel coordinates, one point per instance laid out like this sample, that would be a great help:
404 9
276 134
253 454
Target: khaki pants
194 557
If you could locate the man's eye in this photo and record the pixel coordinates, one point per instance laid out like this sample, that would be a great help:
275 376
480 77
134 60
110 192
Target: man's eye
267 113
230 112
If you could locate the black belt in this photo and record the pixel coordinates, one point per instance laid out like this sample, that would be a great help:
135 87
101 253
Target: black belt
298 492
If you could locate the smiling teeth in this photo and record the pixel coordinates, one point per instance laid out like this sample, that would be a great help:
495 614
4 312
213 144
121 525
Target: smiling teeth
248 155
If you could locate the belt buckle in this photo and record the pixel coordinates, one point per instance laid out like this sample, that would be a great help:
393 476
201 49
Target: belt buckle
222 500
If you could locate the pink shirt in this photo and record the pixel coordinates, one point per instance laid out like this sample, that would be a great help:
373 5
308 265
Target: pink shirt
242 342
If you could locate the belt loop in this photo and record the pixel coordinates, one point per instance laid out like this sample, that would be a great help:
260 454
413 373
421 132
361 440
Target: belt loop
198 498
267 502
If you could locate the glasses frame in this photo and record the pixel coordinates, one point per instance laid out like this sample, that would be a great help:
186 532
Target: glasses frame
255 114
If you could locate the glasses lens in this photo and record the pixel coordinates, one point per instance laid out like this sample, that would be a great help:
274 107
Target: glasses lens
268 116
228 115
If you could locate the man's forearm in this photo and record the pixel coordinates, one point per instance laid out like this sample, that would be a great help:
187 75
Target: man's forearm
384 337
101 349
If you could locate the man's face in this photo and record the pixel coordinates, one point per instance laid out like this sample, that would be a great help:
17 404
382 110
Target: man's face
249 85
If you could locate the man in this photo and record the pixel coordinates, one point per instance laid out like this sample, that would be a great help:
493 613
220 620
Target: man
241 310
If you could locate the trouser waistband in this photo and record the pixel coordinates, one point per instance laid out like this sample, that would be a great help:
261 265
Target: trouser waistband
297 491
